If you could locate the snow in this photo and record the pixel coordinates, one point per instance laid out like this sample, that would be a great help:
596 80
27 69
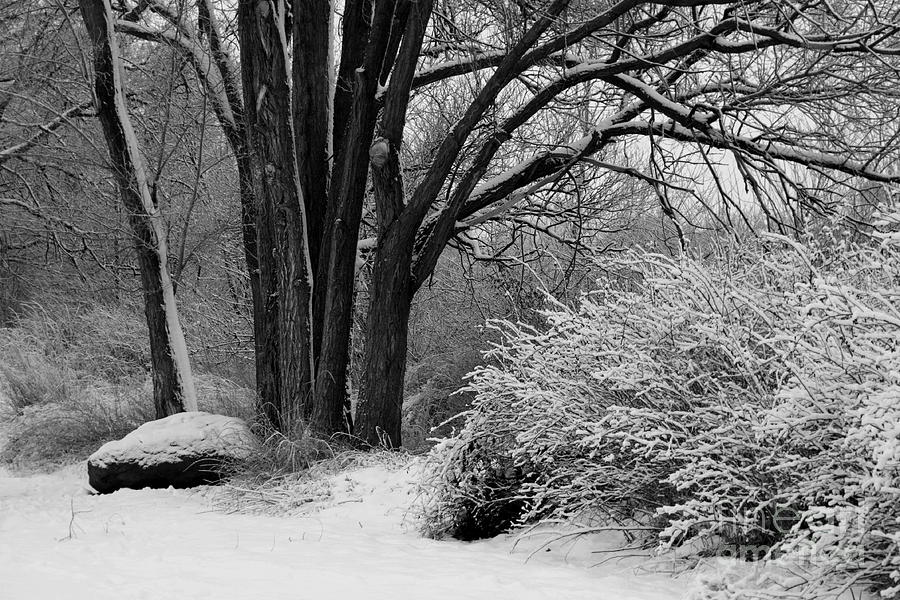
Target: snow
182 434
58 541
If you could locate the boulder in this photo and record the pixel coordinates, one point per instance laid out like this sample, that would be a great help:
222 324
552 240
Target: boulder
182 450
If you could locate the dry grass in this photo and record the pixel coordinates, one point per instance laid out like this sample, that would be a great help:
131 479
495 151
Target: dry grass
51 434
71 381
293 476
30 380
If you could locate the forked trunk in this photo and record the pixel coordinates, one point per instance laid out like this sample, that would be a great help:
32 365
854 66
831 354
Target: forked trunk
173 385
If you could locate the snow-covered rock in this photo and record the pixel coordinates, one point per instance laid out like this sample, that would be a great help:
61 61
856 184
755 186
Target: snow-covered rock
182 450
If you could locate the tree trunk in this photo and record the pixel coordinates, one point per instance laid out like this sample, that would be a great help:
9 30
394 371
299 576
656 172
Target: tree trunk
230 113
379 411
264 384
337 262
285 357
337 309
312 78
173 386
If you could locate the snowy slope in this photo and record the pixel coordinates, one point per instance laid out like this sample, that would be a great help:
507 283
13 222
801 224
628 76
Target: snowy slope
166 544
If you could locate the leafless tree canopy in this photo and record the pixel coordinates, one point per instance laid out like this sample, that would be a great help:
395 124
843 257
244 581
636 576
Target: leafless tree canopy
380 132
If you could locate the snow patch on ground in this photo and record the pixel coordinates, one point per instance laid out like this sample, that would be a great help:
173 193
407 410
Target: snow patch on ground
58 541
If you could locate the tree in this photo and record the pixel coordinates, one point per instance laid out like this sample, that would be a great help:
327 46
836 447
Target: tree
204 47
680 64
173 386
708 104
281 216
40 118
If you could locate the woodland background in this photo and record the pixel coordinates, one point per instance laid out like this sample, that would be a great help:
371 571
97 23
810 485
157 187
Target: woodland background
649 249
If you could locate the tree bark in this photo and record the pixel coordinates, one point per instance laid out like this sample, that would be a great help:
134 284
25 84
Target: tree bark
312 78
264 383
285 352
379 412
173 386
337 262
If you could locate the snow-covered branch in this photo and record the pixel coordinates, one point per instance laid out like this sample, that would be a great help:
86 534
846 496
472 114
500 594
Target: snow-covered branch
208 73
44 130
39 214
768 149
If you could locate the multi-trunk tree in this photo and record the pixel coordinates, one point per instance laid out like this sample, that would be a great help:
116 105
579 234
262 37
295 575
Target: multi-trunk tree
782 106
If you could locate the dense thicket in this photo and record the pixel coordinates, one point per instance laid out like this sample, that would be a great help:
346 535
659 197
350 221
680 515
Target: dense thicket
749 401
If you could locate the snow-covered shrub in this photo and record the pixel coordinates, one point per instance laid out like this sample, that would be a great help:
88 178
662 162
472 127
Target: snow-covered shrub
751 402
50 434
580 421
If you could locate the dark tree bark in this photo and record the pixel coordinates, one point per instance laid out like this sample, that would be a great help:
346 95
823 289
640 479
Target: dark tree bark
337 261
173 387
264 376
387 328
379 410
384 360
391 293
312 81
285 270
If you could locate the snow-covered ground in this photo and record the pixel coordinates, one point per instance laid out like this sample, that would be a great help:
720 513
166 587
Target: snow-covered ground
58 541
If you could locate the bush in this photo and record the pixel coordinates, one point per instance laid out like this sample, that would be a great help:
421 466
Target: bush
101 342
748 403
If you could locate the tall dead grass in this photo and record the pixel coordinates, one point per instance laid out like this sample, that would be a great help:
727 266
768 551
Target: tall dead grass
74 378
